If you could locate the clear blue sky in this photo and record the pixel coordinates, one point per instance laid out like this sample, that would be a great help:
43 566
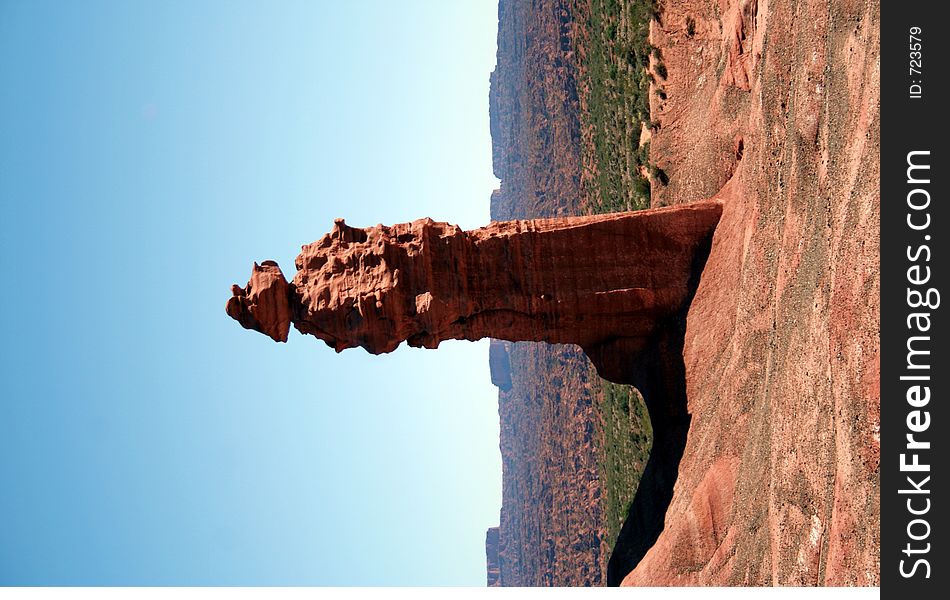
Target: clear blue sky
149 152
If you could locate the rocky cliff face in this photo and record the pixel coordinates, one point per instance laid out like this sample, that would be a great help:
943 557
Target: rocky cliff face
608 283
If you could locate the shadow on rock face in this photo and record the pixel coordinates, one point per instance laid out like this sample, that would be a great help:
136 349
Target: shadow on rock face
660 376
658 372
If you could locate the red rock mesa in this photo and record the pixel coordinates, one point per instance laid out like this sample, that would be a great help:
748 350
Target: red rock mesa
605 282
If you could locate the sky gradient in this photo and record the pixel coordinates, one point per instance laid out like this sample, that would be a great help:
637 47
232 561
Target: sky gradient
149 152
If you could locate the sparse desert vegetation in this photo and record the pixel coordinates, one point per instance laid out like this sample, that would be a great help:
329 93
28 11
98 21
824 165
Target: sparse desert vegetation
626 440
618 173
617 78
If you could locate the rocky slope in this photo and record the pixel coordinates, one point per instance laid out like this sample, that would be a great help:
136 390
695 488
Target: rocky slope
775 107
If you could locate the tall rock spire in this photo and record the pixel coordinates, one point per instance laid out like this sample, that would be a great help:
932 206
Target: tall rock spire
603 282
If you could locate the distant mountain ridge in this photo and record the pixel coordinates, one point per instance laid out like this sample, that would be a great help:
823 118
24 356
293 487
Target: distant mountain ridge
550 523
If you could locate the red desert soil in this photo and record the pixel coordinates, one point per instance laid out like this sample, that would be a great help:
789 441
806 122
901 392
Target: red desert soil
773 107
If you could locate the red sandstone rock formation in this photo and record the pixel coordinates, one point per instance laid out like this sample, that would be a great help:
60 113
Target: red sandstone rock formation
262 305
605 282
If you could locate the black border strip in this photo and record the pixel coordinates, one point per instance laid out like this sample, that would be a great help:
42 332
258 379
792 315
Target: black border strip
914 227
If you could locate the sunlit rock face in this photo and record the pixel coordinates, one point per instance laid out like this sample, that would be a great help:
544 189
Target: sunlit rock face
603 282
